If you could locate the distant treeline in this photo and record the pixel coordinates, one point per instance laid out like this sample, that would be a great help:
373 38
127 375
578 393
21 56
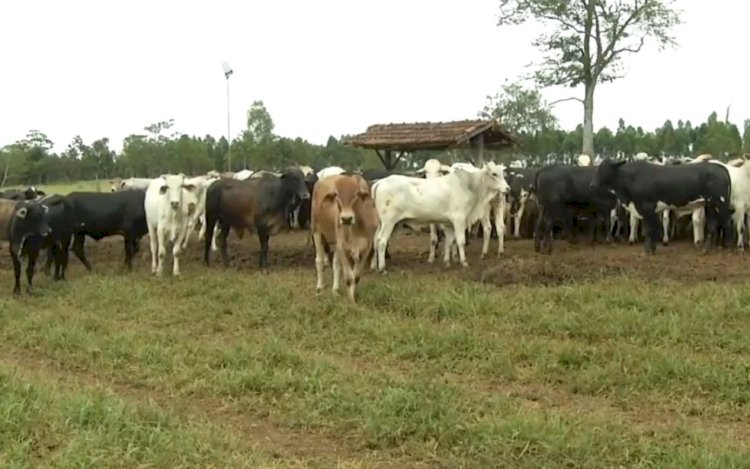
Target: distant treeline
157 150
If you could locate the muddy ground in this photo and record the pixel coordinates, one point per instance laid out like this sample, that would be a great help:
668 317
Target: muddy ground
520 265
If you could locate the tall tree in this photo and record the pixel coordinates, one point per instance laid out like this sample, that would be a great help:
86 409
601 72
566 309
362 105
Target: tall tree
520 109
746 137
585 41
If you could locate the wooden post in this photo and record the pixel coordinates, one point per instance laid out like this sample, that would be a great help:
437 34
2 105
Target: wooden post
480 150
388 160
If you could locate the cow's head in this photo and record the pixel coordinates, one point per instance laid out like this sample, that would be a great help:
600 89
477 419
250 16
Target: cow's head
496 177
605 175
172 187
349 192
433 168
293 182
115 184
29 219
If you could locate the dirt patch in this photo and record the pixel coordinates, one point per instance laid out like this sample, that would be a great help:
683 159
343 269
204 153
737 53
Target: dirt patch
519 265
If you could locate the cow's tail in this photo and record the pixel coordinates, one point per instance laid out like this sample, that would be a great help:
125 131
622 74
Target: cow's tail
213 205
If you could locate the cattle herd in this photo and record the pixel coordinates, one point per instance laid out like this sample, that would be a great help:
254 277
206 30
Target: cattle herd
351 216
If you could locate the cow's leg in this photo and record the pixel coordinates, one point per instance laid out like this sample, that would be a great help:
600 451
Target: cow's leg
32 254
517 219
538 229
711 228
50 257
346 266
738 218
215 239
460 232
78 242
549 225
384 235
64 254
651 224
665 226
16 270
500 225
162 248
633 228
486 232
374 257
699 221
263 236
320 255
433 243
222 241
154 245
336 267
176 253
450 239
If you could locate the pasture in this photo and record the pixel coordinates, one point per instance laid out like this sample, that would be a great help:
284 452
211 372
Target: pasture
591 357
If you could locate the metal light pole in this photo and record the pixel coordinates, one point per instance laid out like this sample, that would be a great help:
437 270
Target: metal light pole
227 72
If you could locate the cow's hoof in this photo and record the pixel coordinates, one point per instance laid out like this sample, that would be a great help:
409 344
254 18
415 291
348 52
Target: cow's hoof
464 264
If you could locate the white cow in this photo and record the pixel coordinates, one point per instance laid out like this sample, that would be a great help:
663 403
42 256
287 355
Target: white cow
433 169
330 171
169 203
244 174
457 200
496 206
128 184
739 200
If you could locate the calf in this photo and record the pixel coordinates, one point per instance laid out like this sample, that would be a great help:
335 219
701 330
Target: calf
170 202
563 194
262 204
344 215
653 189
101 214
23 224
459 199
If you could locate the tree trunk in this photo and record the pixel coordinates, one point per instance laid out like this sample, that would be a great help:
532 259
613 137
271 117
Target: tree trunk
588 121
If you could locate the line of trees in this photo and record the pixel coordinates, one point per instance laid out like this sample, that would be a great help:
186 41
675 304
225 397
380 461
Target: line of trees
160 150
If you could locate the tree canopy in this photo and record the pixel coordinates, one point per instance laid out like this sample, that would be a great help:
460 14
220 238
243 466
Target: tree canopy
585 41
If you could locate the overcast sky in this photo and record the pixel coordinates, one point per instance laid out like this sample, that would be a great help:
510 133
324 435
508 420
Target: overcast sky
325 67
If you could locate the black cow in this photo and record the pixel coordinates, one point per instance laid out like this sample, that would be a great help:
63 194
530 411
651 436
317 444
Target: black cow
564 194
23 224
261 204
651 187
102 214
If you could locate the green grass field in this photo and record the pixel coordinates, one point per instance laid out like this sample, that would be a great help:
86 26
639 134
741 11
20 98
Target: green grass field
237 368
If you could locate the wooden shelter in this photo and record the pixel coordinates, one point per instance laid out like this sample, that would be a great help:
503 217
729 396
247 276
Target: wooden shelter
386 139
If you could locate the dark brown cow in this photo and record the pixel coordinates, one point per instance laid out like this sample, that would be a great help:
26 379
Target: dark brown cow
343 215
262 204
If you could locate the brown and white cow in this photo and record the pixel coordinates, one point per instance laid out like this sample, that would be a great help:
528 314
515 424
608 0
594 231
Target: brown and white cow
343 215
